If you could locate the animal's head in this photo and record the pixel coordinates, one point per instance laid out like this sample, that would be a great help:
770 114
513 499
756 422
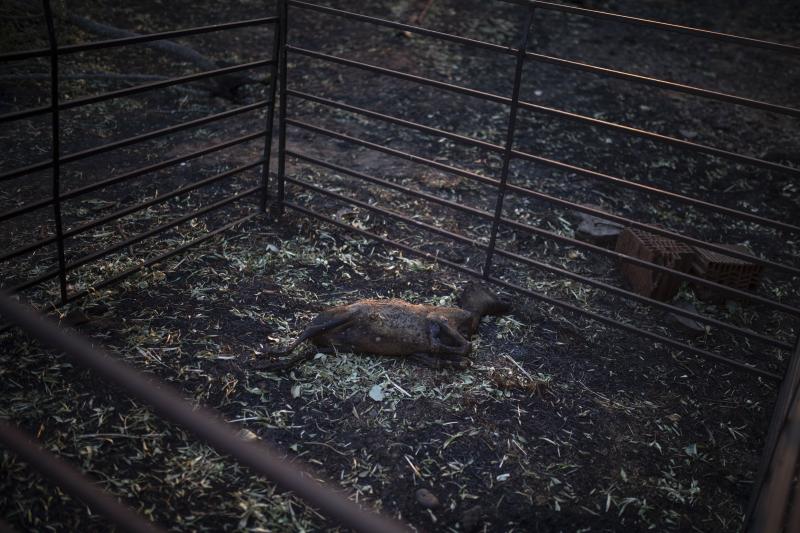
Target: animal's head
479 300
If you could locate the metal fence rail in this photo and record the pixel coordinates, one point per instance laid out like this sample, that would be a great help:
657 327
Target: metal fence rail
508 151
57 160
71 480
203 423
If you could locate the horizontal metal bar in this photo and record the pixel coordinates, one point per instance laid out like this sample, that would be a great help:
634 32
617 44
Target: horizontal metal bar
664 84
735 213
124 177
400 75
157 259
537 264
400 26
75 156
724 37
645 300
614 323
23 209
109 43
87 100
716 286
664 139
494 147
28 248
638 331
394 120
25 113
25 54
161 165
528 192
205 423
388 184
598 175
161 198
383 240
133 240
655 229
397 153
153 260
725 289
28 169
388 213
738 100
73 481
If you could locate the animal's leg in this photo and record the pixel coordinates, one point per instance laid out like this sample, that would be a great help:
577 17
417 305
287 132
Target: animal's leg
460 345
287 364
323 323
439 363
282 366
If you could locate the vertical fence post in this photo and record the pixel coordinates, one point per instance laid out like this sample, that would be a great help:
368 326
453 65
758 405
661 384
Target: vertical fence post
273 73
512 124
56 148
788 389
283 12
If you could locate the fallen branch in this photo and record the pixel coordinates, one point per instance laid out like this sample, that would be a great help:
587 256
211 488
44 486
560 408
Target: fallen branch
224 85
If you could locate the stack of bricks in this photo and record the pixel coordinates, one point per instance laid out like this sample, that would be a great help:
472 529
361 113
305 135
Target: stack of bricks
713 266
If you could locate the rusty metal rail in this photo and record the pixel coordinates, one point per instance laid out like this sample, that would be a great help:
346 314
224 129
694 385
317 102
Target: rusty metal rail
72 481
203 423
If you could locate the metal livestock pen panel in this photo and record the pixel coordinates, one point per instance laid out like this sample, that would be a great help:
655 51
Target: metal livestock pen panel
781 443
206 424
772 488
503 187
58 159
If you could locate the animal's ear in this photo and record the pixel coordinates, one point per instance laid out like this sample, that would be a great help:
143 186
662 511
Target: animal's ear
478 298
467 294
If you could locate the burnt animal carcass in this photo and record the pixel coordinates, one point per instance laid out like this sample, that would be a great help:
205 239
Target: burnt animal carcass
431 335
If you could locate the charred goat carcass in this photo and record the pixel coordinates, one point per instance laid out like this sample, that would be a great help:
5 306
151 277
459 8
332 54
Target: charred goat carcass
434 336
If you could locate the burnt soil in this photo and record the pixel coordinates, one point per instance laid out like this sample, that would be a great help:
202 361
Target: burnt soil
561 424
